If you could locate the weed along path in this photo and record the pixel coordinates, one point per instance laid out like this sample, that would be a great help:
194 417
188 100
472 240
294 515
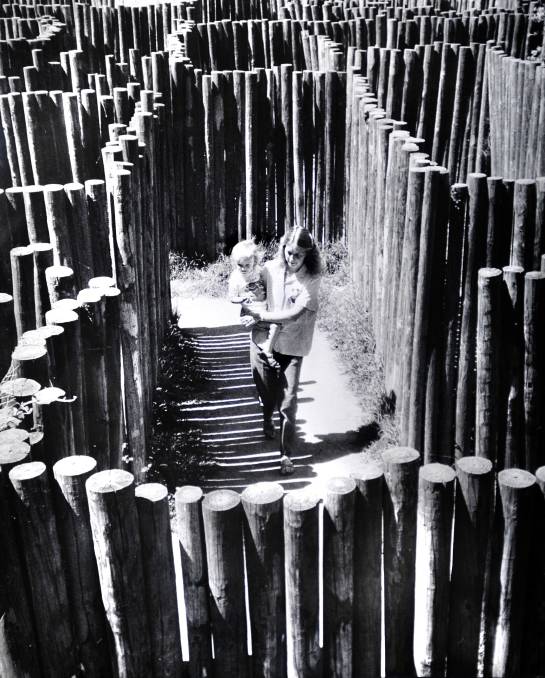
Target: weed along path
328 416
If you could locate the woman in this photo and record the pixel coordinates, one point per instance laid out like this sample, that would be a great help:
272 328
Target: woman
292 280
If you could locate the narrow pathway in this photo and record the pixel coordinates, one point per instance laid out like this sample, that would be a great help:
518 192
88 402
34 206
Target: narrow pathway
328 414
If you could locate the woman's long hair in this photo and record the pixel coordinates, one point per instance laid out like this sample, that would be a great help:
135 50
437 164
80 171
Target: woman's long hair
302 237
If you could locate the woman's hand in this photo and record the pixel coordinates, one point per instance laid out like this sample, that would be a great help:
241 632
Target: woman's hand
248 321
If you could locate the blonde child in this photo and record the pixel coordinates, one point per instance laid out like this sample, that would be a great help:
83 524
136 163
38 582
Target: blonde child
246 286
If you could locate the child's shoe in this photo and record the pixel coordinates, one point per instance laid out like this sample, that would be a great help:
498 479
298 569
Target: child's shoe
286 466
268 428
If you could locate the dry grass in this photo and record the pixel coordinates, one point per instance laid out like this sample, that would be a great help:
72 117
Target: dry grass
349 330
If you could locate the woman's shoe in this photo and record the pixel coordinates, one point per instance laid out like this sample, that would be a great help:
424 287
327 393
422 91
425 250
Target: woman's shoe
268 428
286 466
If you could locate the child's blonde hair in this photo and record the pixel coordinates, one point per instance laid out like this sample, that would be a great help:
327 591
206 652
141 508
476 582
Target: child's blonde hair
245 249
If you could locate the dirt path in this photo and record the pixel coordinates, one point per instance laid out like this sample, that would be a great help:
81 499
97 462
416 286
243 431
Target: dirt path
328 413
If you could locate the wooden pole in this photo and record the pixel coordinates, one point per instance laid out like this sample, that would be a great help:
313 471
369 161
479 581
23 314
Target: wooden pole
474 254
474 501
159 579
70 371
431 594
534 369
44 568
18 649
60 283
512 433
367 570
222 518
339 524
301 559
22 275
93 331
116 539
264 546
516 488
130 333
54 412
43 259
75 536
487 363
59 236
524 213
8 335
399 506
190 531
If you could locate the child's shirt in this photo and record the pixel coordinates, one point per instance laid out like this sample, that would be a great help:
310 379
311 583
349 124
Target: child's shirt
241 286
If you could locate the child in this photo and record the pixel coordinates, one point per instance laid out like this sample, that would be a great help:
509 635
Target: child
246 286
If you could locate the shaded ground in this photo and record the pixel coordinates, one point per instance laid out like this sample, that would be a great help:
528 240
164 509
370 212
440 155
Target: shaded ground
329 417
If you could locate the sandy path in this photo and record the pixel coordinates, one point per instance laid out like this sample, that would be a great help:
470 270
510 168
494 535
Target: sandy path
328 415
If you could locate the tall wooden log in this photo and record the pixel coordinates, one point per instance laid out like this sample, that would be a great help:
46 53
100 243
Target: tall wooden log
22 275
116 539
159 579
190 531
301 558
433 540
222 518
399 506
60 283
42 253
474 501
339 525
72 511
474 255
534 369
262 504
44 568
367 569
516 488
18 649
488 363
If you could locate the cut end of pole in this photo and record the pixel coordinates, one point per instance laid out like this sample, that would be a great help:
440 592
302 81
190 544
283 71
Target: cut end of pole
101 281
41 247
60 316
474 466
20 388
516 478
340 485
68 304
221 500
13 452
89 296
14 435
485 273
263 493
113 480
188 494
28 352
437 473
52 272
300 501
5 298
76 465
28 471
513 270
152 492
400 455
369 471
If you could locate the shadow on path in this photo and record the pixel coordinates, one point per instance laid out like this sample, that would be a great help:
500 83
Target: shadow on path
231 419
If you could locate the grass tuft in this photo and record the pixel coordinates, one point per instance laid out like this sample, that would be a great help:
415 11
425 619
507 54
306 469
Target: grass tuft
179 456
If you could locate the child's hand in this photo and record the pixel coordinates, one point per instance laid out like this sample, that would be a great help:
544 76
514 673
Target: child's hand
247 321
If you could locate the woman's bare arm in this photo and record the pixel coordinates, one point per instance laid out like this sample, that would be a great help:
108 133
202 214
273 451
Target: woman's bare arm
277 317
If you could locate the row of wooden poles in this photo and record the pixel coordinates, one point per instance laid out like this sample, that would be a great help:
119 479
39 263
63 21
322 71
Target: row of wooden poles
459 344
261 151
95 30
249 44
89 578
119 226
